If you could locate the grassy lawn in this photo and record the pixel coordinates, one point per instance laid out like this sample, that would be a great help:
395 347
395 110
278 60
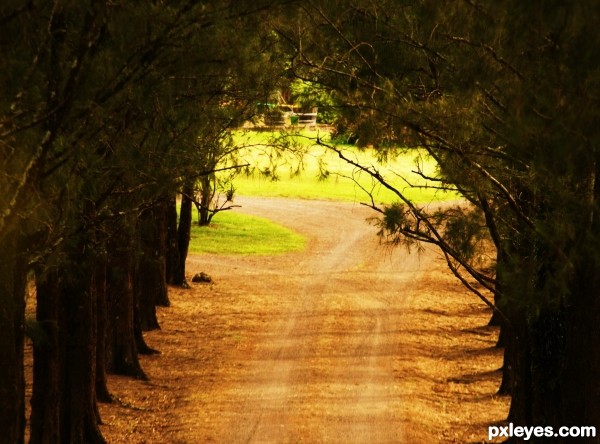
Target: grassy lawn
235 233
307 171
315 172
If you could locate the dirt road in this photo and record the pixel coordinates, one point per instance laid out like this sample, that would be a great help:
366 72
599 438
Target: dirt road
308 363
346 342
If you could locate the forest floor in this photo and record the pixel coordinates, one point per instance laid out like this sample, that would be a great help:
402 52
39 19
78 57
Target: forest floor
348 341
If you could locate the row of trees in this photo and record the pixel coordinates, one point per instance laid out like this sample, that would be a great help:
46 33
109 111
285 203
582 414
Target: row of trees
107 110
504 95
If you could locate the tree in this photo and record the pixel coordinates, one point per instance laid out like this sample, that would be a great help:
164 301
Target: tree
151 267
218 157
307 95
12 315
63 400
503 97
239 70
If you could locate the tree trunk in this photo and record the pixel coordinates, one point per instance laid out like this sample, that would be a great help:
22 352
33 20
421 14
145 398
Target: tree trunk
12 323
556 364
77 331
122 354
161 243
580 389
517 356
555 358
140 342
183 233
64 396
508 342
151 280
102 392
206 197
47 383
142 299
582 319
172 257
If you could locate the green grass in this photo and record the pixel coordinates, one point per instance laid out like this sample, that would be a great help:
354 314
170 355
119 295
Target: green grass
305 171
235 233
315 172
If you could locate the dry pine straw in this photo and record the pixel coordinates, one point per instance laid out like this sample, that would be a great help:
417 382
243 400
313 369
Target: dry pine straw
449 372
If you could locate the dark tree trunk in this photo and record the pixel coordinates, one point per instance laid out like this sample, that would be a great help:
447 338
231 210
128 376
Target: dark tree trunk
145 300
77 331
102 392
122 354
508 342
64 396
556 365
517 369
161 245
183 233
507 336
12 322
140 342
151 280
581 357
47 383
172 259
517 356
502 336
496 318
556 361
580 389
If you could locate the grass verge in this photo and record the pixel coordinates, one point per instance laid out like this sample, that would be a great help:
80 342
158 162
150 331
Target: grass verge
236 233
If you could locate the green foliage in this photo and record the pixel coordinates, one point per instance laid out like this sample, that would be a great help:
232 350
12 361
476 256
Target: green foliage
307 95
465 231
461 230
396 221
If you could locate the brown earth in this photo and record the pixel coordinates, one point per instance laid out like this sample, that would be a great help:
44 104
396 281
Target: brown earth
346 342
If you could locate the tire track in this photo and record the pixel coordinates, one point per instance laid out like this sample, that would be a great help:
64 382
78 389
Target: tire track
322 370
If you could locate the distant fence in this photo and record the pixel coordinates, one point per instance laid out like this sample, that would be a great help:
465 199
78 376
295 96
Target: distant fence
307 118
283 118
